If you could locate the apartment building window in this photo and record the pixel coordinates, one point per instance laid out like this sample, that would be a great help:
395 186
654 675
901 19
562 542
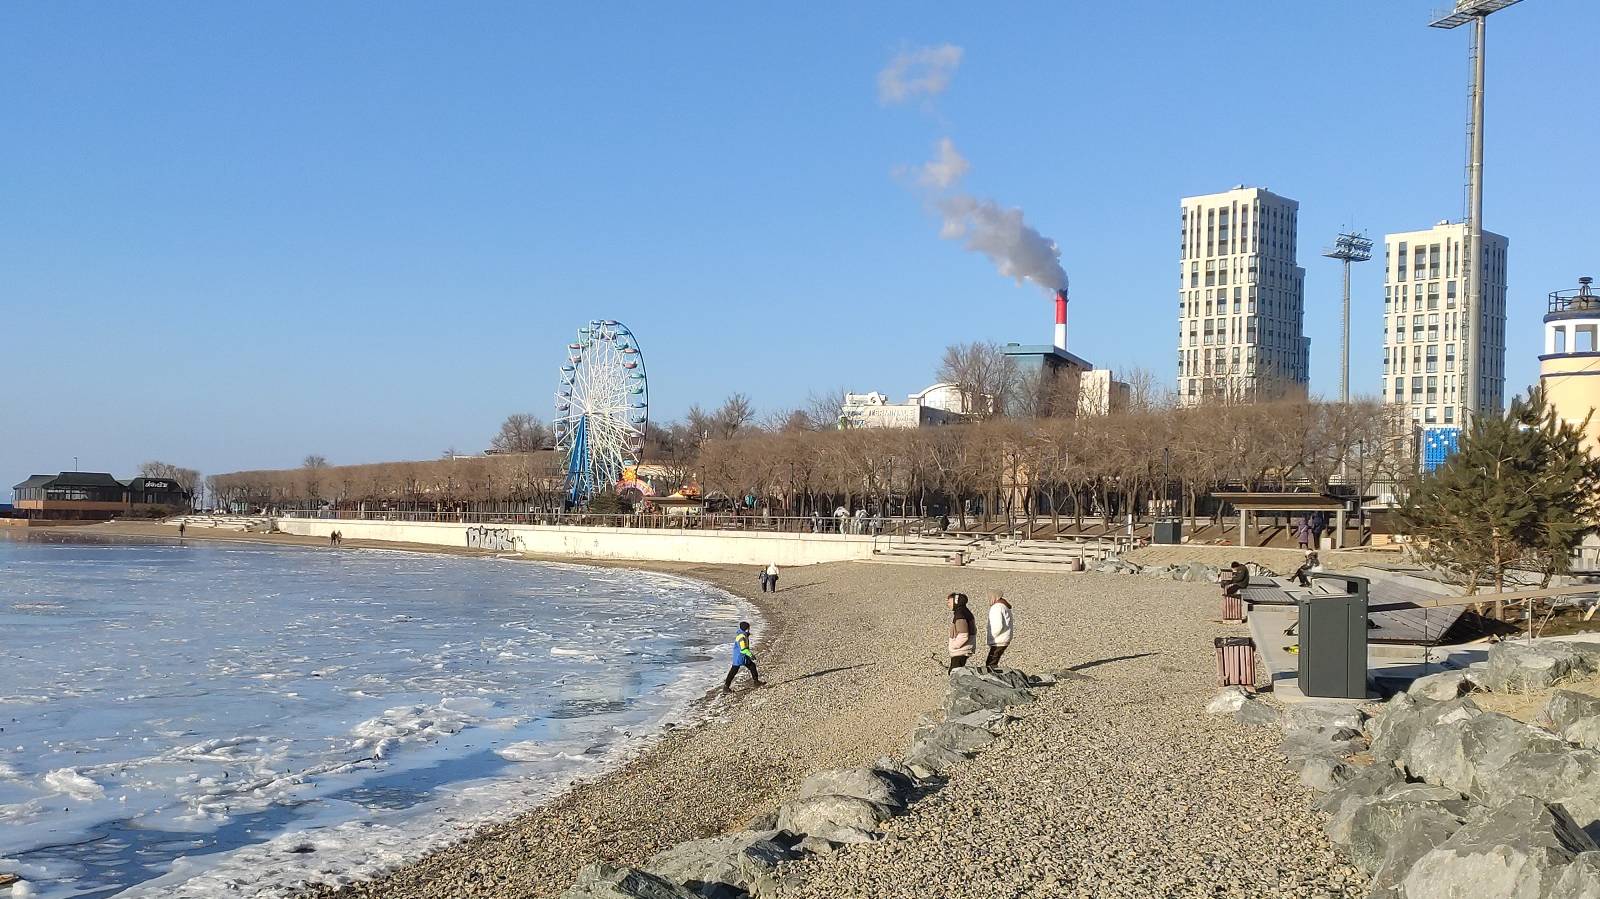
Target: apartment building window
1450 295
1449 414
1433 261
1433 327
1433 390
1433 296
1405 297
1429 415
1194 274
1433 359
1450 357
1385 360
1252 299
1238 300
1211 273
1222 275
1416 328
1399 389
1400 266
1235 357
1416 391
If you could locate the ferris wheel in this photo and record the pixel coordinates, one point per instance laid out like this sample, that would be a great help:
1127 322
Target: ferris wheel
602 408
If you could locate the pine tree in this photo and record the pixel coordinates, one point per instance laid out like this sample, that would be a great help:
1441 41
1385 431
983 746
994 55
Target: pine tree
1520 492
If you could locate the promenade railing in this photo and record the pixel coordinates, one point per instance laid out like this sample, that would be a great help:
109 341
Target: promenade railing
870 526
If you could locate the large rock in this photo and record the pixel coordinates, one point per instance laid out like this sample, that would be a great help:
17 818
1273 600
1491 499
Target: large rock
1325 773
1575 717
727 867
1449 741
1547 769
1522 667
1387 836
878 787
838 818
1441 687
1321 717
1336 744
603 881
1397 797
1522 848
1580 880
1256 713
974 689
1227 701
1362 785
928 756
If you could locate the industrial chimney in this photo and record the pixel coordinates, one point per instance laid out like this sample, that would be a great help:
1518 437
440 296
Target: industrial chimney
1061 319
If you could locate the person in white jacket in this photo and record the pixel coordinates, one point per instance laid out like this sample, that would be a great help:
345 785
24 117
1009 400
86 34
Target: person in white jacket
999 628
772 577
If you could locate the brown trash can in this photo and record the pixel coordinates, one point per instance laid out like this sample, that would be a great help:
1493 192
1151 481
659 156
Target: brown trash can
1236 661
1232 609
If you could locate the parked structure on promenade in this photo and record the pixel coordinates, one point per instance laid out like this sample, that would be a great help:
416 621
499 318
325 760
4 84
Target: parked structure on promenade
1241 297
1426 337
1569 368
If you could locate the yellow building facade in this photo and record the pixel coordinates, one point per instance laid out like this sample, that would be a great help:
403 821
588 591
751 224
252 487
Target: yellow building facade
1569 369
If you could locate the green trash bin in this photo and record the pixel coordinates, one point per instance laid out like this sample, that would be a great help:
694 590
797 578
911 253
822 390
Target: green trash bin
1333 639
1168 532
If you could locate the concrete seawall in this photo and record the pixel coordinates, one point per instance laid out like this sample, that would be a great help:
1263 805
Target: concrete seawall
636 544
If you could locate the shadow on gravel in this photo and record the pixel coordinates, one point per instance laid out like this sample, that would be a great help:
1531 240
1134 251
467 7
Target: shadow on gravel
1106 661
820 673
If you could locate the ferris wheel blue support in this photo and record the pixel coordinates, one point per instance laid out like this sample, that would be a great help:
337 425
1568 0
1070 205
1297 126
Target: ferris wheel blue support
579 486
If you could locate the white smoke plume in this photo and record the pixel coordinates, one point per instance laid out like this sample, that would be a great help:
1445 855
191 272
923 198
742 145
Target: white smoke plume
945 169
1015 248
922 72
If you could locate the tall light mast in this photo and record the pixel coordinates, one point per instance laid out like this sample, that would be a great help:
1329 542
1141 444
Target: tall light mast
1476 12
1351 246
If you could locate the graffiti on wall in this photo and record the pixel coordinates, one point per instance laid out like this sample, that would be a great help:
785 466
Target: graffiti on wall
500 539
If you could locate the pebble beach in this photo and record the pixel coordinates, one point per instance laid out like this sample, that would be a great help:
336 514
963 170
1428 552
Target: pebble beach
1116 785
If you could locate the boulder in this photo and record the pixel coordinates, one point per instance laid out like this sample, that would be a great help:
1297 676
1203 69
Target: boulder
1325 773
1580 880
1387 836
1227 701
727 867
1322 717
1521 848
1445 685
1256 713
972 689
1575 717
1362 785
1337 744
869 784
1391 729
1548 769
1523 667
928 757
603 881
1441 749
1397 797
991 720
836 818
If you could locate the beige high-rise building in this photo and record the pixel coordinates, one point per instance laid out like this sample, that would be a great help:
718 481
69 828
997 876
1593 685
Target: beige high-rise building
1425 339
1241 297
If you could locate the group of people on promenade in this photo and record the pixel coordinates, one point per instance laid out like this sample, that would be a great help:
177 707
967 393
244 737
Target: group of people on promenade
1307 529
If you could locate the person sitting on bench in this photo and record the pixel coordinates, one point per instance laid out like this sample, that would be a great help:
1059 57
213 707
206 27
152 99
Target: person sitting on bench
1237 581
1309 565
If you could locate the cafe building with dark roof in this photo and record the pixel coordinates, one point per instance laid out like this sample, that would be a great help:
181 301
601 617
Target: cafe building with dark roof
94 496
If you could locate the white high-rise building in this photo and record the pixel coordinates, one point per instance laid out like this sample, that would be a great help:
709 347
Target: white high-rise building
1425 338
1241 298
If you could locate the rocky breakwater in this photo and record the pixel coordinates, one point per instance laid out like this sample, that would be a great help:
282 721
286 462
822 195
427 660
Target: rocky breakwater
832 809
1438 798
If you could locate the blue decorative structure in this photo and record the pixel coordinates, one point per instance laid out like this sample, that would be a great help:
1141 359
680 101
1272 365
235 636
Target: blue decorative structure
1438 444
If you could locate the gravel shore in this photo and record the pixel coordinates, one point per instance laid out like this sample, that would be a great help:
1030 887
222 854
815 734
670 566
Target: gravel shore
1117 786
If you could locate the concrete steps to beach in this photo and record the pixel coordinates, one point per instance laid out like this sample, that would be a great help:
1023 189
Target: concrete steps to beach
223 522
1043 555
929 550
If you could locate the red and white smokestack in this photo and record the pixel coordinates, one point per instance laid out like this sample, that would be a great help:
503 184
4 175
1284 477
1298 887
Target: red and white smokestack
1061 319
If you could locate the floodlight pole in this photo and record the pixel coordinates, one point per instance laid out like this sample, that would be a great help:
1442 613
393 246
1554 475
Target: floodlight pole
1348 247
1472 260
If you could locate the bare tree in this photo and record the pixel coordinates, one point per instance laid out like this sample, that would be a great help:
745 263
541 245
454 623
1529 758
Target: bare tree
521 432
735 414
824 408
982 373
314 462
187 478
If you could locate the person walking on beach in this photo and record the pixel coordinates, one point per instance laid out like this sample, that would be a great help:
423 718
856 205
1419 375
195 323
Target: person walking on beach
182 526
772 577
742 658
962 631
999 628
765 580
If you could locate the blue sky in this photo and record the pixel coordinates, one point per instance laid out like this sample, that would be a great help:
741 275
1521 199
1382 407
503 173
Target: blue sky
234 235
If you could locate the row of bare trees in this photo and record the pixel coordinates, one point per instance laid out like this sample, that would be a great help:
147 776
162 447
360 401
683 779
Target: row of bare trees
1166 458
